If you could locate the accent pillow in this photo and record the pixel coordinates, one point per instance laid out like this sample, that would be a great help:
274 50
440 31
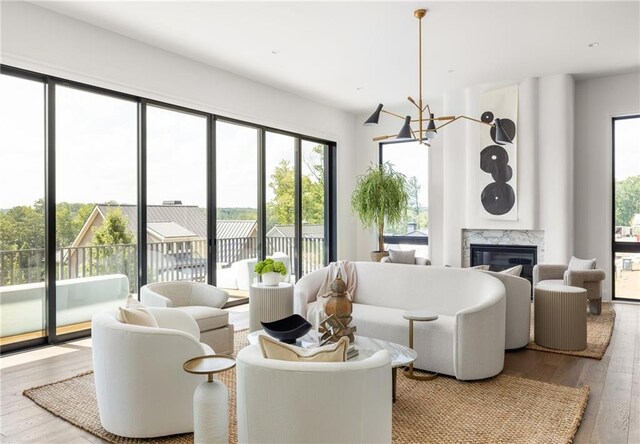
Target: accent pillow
135 313
402 256
515 271
274 349
581 264
481 267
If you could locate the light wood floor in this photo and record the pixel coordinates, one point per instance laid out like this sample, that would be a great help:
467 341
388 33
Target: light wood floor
612 414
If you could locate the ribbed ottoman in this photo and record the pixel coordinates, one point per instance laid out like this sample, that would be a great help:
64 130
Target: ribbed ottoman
560 317
269 303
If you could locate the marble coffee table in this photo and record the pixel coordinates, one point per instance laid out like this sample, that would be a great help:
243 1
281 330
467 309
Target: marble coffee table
401 356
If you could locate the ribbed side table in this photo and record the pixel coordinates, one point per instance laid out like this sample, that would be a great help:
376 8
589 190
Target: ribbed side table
560 317
269 303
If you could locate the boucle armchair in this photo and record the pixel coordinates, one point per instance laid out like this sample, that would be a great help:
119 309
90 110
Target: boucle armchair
141 388
313 402
202 302
590 280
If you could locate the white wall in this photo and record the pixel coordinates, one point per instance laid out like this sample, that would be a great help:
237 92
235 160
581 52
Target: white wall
596 102
37 39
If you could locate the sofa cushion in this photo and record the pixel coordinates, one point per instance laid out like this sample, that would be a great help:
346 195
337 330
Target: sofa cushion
136 313
402 257
514 271
388 324
581 264
481 267
207 318
274 349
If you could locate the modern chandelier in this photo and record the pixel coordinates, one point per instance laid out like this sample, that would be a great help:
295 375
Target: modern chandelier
427 128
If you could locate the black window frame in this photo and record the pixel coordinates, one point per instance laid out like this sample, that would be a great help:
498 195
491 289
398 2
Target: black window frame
49 87
621 247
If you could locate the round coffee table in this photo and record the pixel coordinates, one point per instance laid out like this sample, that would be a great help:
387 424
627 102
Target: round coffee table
420 316
211 399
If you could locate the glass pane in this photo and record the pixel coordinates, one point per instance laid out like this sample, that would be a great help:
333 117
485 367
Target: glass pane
237 209
96 211
627 207
22 296
313 180
280 191
176 196
412 160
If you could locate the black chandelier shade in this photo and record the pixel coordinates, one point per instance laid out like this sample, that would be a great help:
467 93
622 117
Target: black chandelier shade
405 131
431 128
373 119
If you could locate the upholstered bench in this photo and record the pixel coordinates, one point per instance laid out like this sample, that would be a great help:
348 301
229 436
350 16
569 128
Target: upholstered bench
202 302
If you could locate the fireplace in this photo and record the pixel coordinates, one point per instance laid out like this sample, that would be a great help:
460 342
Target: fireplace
501 257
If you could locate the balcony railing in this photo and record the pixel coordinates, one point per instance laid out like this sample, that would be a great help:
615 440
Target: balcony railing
166 260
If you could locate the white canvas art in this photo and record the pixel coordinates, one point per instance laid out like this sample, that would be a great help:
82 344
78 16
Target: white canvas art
498 187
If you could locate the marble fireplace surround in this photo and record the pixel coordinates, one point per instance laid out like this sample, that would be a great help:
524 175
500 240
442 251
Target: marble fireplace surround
501 237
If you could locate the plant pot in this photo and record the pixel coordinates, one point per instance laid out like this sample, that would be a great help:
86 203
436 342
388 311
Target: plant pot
376 256
271 279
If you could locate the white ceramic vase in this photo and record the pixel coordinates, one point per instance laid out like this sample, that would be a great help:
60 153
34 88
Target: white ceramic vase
271 279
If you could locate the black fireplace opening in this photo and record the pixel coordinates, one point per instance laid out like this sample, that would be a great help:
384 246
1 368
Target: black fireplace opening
501 257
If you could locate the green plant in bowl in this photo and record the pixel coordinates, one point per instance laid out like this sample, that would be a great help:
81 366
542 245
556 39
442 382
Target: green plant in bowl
270 266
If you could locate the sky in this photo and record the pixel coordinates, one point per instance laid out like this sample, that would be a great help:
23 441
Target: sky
96 158
411 159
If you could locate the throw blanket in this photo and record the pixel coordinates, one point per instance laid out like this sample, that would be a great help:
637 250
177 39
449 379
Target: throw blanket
347 272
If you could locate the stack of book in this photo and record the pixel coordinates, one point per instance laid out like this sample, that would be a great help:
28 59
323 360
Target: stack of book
352 351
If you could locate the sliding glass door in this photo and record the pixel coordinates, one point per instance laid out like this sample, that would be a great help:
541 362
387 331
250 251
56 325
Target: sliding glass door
96 205
626 197
22 174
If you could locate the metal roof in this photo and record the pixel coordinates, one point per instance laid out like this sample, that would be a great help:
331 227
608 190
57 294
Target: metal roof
308 230
188 217
169 230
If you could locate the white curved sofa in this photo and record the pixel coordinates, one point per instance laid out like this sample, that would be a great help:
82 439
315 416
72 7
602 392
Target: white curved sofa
313 402
141 388
468 339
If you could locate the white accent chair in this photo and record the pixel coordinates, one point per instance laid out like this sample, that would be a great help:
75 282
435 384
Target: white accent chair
590 280
350 401
201 301
141 388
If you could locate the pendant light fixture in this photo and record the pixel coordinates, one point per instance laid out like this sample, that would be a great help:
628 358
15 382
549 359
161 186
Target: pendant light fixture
426 126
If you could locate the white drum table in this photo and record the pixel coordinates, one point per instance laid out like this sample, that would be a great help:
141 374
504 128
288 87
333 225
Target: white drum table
269 303
422 316
211 399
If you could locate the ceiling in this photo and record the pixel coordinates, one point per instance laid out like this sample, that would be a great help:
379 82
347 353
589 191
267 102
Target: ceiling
352 55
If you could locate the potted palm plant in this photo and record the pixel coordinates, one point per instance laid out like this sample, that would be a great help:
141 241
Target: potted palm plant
380 196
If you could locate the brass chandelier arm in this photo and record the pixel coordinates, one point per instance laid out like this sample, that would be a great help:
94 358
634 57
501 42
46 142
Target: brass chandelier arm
463 117
392 114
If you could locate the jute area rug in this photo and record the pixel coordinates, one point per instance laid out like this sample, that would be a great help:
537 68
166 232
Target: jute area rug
599 331
504 409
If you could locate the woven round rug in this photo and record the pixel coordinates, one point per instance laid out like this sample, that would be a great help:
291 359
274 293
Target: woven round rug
599 331
503 409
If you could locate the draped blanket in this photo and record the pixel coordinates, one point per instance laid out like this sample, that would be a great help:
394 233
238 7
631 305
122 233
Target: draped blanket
347 272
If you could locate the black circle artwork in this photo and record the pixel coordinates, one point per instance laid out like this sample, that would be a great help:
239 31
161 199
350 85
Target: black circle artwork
497 198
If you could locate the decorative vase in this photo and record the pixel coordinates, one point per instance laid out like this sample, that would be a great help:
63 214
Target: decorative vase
340 306
271 279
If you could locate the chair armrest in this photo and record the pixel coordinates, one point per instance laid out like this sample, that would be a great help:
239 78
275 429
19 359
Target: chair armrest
577 278
306 290
422 261
386 259
175 320
544 272
208 295
152 299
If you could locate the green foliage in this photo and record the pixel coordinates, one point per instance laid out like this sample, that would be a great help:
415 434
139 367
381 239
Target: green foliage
627 200
114 230
22 228
380 196
270 266
237 214
281 209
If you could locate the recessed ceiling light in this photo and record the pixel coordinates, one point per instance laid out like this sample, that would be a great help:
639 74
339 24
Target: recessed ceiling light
275 51
451 70
594 44
359 88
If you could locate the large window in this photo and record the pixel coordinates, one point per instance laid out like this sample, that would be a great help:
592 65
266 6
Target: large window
412 160
237 206
176 196
96 195
626 195
102 192
22 295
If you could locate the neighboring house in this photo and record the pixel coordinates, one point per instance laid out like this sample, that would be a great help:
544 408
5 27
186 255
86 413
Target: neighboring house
315 231
176 234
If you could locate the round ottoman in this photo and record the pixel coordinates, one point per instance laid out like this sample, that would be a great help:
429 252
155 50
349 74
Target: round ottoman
560 316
